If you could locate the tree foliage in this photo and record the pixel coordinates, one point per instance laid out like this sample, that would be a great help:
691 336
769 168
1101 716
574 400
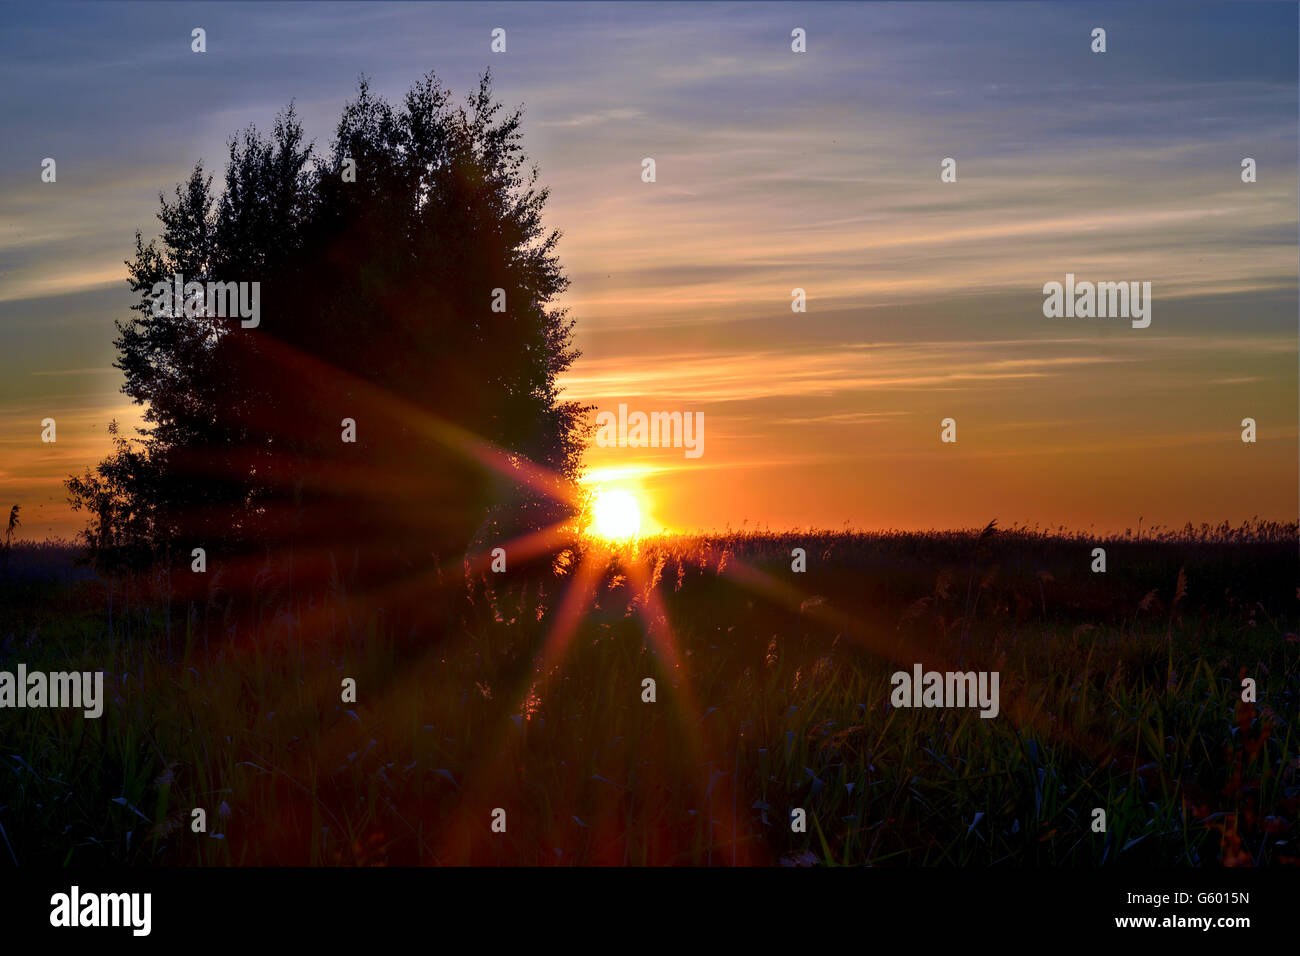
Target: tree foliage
375 306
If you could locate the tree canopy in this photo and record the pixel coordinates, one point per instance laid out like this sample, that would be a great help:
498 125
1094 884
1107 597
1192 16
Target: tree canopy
377 269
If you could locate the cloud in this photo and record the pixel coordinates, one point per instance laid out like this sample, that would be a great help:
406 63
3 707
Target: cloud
599 117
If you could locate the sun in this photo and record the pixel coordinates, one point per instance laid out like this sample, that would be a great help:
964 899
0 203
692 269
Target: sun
616 515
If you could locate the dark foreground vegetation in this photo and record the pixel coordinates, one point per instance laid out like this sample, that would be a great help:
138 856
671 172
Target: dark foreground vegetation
1119 691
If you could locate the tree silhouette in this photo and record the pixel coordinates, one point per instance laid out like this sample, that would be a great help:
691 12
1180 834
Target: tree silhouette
376 295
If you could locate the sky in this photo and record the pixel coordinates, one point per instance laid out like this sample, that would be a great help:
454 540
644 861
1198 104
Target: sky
774 170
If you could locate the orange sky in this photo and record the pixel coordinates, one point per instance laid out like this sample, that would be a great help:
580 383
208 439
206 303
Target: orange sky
774 171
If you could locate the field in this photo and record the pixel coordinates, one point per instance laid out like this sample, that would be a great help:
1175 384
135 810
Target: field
1119 690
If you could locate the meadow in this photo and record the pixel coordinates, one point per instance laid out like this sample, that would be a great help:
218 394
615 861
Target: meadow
1119 690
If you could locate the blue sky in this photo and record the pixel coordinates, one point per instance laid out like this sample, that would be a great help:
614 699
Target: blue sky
775 170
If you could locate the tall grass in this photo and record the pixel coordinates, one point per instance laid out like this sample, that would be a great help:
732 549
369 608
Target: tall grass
1120 691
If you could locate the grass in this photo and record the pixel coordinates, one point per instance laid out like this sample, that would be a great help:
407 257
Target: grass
1119 691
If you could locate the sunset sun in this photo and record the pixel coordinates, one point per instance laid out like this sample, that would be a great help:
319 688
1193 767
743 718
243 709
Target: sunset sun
616 515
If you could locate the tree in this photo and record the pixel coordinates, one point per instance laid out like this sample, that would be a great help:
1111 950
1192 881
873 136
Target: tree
121 529
375 305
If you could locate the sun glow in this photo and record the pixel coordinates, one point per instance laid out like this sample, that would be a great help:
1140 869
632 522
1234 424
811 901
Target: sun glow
615 515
